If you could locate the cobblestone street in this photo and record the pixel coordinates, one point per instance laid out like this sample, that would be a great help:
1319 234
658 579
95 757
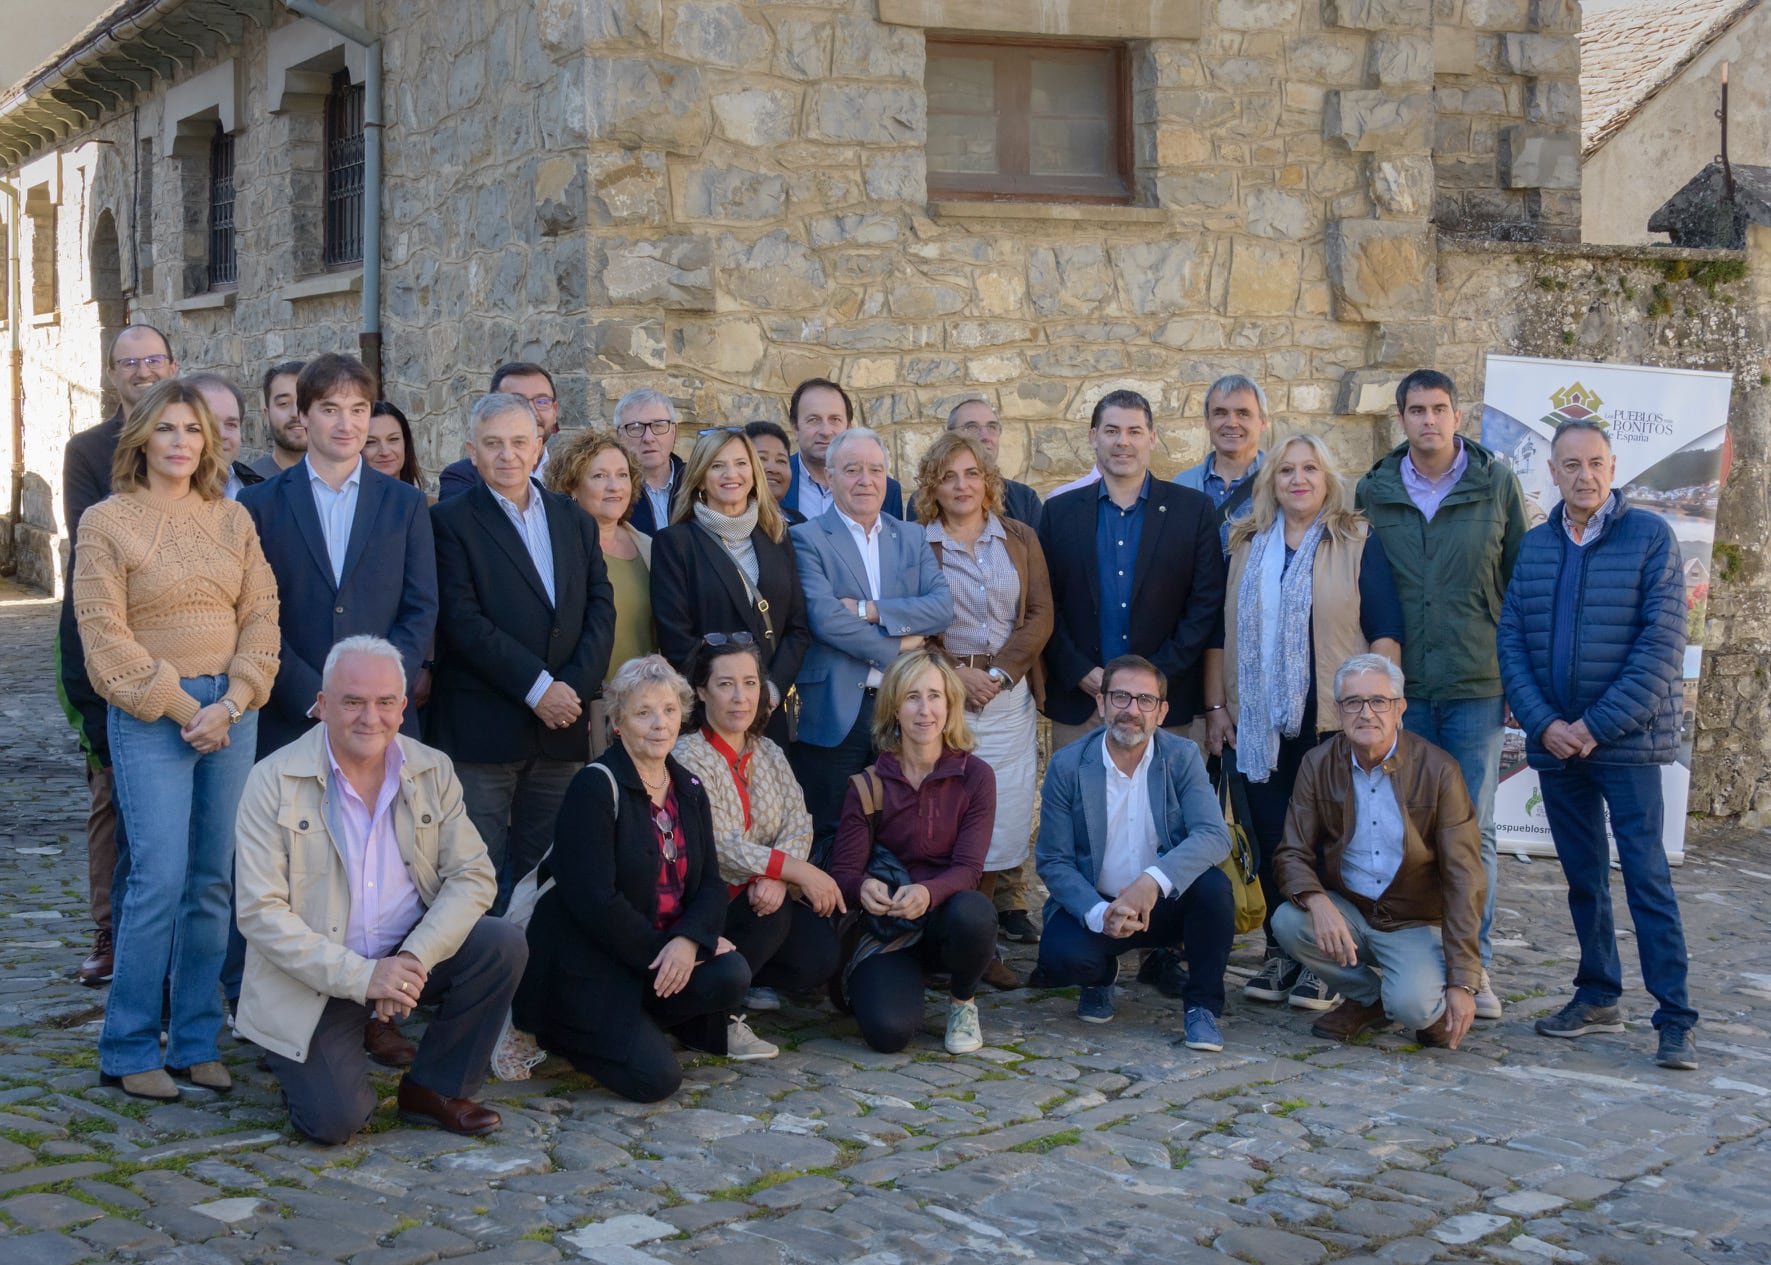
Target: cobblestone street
1057 1142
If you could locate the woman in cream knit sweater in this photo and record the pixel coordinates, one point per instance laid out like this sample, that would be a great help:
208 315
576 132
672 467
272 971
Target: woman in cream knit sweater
178 616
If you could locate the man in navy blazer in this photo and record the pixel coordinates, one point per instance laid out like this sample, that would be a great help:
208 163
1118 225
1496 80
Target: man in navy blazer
873 590
1130 837
351 548
645 425
534 384
523 640
818 412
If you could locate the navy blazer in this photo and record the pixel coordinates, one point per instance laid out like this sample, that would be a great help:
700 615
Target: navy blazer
1191 837
456 478
389 587
642 518
894 497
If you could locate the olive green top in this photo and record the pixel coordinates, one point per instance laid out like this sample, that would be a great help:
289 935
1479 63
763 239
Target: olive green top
632 583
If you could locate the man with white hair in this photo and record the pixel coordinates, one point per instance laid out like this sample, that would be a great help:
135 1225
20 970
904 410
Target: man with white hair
1381 868
873 591
362 889
645 425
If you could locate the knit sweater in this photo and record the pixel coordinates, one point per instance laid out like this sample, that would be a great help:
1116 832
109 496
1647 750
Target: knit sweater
779 821
171 589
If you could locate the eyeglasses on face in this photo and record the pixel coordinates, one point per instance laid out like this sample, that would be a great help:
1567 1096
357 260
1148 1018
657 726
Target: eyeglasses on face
152 362
1123 699
1379 705
633 430
540 401
728 639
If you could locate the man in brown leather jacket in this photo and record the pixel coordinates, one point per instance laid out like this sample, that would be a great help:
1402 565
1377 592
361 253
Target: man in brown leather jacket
1399 884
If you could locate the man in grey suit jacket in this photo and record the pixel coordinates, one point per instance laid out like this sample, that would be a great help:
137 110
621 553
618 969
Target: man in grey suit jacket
873 591
1130 837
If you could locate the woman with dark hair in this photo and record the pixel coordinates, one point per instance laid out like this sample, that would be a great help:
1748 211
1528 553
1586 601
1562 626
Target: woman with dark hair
725 565
177 611
781 903
389 446
774 455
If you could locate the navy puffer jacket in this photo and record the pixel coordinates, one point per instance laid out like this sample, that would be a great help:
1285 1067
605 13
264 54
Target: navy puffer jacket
1628 649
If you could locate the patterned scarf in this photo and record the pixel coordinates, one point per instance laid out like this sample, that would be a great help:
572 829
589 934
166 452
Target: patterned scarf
733 533
1273 637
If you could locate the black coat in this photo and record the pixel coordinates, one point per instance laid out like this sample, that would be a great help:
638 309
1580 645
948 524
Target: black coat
591 941
1177 593
497 632
697 589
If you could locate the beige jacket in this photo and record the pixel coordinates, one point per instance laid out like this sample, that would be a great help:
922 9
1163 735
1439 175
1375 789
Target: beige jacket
292 895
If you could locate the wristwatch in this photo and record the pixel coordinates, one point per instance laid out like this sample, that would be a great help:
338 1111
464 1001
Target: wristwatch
861 608
999 676
234 712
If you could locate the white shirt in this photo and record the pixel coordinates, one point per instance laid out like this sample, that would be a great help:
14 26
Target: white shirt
1130 847
814 498
1092 477
868 543
337 511
531 525
232 491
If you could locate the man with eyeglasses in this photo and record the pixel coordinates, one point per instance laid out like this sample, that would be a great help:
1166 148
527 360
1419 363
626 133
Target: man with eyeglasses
1381 869
535 385
977 418
1130 837
645 425
140 356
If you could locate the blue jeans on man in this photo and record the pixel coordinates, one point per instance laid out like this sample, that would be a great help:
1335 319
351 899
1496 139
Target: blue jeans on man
178 807
1575 798
1469 731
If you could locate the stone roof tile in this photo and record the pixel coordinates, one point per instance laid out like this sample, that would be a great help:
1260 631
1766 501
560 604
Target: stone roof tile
1629 53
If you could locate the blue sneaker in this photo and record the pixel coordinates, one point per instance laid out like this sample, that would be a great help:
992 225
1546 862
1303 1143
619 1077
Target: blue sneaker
1096 1004
1202 1030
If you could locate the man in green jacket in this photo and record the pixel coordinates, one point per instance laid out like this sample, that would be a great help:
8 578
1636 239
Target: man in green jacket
1450 516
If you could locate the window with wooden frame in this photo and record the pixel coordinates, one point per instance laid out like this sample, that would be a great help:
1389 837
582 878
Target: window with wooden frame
1029 120
224 268
344 172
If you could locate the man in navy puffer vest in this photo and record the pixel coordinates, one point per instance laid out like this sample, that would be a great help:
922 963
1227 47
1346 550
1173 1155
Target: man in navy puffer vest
1592 647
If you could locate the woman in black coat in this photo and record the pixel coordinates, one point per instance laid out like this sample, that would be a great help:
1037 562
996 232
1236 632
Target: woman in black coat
726 565
627 945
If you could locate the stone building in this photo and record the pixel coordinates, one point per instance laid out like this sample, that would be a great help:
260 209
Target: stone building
1650 81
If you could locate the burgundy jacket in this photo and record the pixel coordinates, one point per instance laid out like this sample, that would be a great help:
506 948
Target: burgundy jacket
940 830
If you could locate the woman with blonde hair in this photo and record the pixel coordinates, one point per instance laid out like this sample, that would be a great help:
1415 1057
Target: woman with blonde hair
595 470
725 565
1309 587
909 851
1002 617
177 610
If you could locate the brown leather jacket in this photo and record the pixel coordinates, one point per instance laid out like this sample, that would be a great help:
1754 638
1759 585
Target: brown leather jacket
1440 882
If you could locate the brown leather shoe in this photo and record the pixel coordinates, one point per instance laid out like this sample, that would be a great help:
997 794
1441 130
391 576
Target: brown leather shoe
1349 1019
98 966
386 1045
419 1105
1437 1034
1000 976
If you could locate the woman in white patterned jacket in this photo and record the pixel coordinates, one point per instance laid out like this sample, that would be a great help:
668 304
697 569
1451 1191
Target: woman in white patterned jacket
781 904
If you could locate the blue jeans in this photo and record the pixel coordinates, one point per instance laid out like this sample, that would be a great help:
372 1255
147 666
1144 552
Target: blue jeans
1574 799
1411 982
178 807
1468 730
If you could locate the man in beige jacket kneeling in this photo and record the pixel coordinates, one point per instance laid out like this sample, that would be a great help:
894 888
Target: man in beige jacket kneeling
362 889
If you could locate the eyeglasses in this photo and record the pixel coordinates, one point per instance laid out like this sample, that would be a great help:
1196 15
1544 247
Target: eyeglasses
633 430
719 430
1123 699
1380 706
728 639
540 401
667 829
152 362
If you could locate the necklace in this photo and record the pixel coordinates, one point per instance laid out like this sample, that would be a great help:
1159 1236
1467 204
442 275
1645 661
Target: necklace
648 785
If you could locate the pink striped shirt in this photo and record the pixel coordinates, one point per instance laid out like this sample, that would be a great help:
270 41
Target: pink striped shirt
384 903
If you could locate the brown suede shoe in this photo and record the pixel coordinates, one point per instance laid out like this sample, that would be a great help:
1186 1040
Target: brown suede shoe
98 966
999 975
209 1075
386 1045
155 1086
1349 1019
1437 1034
419 1105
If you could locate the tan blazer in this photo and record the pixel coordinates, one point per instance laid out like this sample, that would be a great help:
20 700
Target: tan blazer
292 895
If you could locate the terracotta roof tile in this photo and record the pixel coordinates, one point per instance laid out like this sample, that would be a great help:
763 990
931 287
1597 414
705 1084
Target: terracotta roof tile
1629 53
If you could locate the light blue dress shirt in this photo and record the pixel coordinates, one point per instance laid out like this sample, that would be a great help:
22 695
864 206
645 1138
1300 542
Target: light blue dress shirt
337 511
1375 853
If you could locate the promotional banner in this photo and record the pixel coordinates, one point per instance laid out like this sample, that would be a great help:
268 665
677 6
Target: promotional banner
1669 432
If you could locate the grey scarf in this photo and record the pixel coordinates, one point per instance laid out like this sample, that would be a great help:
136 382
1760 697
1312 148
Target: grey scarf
1273 641
734 533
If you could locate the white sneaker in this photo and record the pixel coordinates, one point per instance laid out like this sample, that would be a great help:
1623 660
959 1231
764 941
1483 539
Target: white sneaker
742 1043
759 998
516 1055
1487 1002
963 1032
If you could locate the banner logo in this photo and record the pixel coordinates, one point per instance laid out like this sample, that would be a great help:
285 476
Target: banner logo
1574 403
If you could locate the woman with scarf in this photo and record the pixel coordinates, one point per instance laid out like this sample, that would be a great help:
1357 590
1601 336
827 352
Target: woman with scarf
726 565
1308 587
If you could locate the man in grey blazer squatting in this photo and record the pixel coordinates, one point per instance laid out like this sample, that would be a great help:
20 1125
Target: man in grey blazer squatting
873 591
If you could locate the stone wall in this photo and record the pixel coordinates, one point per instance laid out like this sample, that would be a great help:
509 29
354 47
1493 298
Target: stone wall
1683 309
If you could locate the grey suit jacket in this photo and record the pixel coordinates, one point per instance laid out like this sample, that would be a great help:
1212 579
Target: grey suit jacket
1190 833
913 600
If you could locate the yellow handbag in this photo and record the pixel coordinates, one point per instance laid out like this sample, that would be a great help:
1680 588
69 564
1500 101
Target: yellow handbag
1242 866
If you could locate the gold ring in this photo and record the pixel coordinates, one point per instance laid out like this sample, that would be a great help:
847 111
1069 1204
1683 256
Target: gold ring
402 986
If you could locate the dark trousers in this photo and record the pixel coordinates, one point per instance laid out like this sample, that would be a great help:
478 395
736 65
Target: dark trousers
1201 921
824 773
792 949
1267 804
514 806
649 1072
104 833
1575 798
885 991
330 1096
